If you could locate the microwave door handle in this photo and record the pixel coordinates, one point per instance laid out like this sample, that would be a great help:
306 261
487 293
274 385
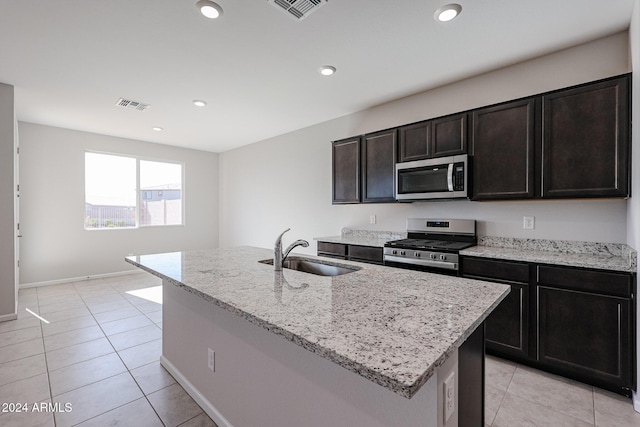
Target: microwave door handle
450 177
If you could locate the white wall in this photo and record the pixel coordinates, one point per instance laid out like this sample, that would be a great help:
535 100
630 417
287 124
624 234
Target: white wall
285 181
56 246
633 226
7 194
633 212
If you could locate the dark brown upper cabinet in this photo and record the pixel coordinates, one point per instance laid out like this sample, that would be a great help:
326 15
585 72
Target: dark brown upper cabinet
449 135
378 166
346 171
585 143
415 142
446 136
569 143
503 149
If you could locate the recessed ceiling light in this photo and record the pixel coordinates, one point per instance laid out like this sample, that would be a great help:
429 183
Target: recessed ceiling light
209 9
157 128
199 103
448 12
327 70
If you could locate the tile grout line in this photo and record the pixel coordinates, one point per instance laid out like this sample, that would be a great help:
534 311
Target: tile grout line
503 396
127 369
541 404
46 363
144 395
42 337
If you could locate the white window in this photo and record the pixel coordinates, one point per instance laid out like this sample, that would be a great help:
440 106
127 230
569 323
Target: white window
127 192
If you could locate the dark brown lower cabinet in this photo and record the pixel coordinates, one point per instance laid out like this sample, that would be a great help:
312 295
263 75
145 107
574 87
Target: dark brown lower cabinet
585 334
332 250
370 254
507 327
365 254
575 322
586 326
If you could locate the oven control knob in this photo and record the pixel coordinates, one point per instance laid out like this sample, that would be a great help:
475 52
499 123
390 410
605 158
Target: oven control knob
402 252
432 256
443 257
394 252
417 254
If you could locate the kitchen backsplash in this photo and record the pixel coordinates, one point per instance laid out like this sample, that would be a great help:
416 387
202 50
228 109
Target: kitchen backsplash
373 234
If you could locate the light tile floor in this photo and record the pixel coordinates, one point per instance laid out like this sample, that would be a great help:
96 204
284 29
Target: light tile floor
516 395
100 352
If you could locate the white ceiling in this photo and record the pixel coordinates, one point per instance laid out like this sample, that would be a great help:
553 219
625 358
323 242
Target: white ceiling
70 60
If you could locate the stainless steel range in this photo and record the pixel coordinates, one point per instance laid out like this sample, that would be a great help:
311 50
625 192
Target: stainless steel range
432 245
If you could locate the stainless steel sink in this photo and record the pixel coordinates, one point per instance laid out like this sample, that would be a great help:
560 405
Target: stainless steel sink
313 267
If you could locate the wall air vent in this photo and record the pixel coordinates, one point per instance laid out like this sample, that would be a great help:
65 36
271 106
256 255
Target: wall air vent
132 105
298 9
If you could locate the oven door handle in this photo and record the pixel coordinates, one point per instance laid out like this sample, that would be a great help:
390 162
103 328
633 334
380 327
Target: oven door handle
450 177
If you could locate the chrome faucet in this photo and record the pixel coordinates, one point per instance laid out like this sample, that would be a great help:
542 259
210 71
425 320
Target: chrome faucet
278 256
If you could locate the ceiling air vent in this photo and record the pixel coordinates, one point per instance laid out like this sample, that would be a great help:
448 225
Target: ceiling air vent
132 105
298 9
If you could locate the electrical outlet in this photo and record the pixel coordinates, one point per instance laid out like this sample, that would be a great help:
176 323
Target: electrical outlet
528 222
449 396
211 360
372 219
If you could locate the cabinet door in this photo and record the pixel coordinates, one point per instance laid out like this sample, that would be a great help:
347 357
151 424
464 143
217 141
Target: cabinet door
378 166
586 141
346 171
449 135
507 327
503 151
415 142
586 335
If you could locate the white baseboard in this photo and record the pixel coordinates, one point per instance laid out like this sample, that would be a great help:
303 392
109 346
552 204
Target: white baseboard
204 403
79 279
8 317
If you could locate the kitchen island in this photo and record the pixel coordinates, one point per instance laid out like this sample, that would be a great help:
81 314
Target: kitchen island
370 347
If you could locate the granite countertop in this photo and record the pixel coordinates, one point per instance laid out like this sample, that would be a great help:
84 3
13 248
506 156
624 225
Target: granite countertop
613 257
391 326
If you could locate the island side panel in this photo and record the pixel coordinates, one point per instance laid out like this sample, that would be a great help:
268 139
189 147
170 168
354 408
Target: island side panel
262 379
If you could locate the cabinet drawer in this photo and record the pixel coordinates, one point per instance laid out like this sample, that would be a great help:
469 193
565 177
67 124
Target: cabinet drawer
616 284
498 270
365 253
335 249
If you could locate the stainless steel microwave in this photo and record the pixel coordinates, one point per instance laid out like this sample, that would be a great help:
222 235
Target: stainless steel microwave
440 178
